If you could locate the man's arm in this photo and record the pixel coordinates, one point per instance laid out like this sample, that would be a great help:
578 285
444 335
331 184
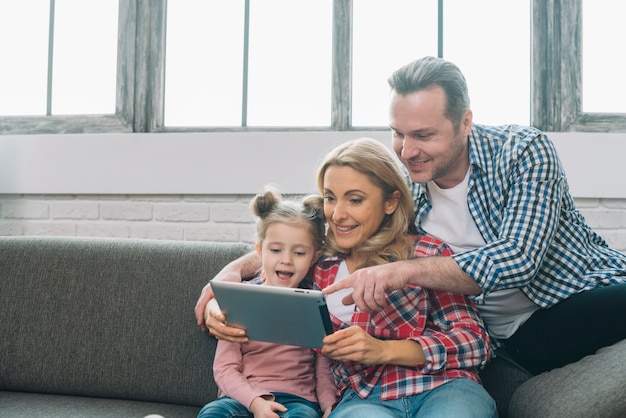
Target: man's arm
213 320
373 283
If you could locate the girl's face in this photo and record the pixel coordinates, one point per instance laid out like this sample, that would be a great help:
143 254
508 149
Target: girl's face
354 206
287 253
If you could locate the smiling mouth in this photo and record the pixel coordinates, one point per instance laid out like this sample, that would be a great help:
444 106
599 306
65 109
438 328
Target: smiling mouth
417 163
345 228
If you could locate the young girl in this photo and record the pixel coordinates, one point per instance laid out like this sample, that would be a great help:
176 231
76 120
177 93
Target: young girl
420 355
260 379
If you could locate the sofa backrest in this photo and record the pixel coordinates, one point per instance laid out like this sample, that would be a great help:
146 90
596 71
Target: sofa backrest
107 317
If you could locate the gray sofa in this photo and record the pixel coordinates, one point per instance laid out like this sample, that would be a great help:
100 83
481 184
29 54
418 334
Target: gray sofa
105 328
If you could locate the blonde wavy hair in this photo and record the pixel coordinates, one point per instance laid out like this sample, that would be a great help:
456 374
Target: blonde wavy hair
372 159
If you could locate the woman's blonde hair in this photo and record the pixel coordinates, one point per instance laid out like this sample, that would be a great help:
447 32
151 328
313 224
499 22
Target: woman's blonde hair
373 159
271 208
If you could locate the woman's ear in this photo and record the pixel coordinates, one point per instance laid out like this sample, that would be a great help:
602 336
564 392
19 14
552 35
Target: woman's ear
257 247
391 204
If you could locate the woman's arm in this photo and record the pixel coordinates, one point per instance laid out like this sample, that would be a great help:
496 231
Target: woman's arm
355 344
454 336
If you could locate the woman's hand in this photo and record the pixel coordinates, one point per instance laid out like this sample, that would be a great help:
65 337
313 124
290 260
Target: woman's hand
357 345
214 320
353 344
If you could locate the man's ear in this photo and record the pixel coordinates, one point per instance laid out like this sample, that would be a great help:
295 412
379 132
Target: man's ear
392 203
466 122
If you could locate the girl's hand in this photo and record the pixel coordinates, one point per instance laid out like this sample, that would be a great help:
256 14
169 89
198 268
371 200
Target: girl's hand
263 408
215 322
354 344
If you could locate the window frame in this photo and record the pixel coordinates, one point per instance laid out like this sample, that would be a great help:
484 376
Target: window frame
556 77
557 72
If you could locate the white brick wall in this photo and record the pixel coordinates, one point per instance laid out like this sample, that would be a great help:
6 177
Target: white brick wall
195 217
172 217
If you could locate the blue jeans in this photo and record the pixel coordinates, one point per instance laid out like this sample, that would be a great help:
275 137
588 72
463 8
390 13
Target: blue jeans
226 407
458 398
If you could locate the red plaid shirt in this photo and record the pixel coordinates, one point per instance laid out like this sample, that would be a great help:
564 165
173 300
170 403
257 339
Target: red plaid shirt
446 325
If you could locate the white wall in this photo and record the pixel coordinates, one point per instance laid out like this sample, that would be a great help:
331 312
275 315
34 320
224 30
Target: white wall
197 186
236 163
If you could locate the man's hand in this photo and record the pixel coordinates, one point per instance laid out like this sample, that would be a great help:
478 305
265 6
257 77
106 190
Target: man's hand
370 286
262 408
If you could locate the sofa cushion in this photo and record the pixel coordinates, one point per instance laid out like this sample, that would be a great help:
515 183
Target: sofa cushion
107 318
18 404
594 386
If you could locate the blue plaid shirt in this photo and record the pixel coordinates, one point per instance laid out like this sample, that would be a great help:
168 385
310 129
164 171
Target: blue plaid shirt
536 238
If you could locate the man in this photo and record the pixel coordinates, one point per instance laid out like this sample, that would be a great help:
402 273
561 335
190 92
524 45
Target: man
547 286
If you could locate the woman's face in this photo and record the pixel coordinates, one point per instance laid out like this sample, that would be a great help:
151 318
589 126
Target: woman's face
353 205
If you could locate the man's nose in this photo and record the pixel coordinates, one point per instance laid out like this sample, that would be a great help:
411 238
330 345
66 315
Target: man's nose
409 149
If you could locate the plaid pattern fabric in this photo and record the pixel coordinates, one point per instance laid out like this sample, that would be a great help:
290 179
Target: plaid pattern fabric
446 325
536 238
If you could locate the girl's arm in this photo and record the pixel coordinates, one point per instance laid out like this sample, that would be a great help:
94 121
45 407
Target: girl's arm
325 387
227 372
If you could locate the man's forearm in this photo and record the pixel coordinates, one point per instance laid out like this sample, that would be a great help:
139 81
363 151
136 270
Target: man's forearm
439 273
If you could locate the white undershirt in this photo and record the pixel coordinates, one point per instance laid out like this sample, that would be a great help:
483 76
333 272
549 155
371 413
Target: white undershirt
333 301
451 221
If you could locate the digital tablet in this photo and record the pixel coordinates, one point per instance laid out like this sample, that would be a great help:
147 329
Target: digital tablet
281 315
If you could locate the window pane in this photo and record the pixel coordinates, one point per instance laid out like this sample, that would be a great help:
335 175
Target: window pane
85 57
24 46
290 63
490 41
387 35
604 84
204 63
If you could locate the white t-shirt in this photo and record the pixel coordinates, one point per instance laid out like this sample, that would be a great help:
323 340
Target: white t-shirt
451 221
333 301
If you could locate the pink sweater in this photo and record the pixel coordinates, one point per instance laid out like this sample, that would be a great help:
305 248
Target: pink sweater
245 371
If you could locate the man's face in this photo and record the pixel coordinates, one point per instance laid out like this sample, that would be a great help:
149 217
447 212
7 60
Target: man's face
425 140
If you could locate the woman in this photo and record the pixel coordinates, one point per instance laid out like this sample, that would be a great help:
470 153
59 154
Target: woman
420 355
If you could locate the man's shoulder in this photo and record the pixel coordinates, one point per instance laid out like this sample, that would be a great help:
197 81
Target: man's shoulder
508 142
506 136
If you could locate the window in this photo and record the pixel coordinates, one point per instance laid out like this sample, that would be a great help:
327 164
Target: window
61 65
241 63
604 85
557 67
349 47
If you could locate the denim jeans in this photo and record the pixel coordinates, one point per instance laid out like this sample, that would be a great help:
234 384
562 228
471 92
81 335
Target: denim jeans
458 398
226 407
